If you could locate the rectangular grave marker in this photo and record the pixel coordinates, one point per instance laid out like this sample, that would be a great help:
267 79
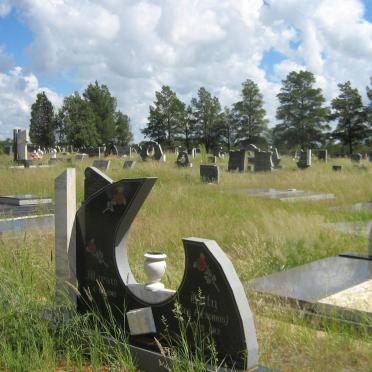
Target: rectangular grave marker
65 234
210 173
102 164
129 164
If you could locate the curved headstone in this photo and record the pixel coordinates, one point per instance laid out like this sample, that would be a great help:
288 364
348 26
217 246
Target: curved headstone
105 278
151 150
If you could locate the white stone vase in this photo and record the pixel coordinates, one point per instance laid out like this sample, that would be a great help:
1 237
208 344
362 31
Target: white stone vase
154 267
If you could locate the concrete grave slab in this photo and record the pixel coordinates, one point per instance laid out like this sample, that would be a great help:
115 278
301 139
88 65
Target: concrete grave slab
290 194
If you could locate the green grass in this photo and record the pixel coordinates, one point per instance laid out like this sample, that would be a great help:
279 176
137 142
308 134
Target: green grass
260 236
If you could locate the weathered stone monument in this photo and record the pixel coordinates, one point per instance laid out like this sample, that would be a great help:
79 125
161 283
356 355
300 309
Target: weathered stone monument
276 158
210 173
323 155
263 161
210 287
238 161
129 164
183 159
111 149
20 140
65 235
304 160
356 158
102 164
80 157
151 151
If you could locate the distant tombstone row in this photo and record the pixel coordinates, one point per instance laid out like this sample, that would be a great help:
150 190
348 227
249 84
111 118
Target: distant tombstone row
210 173
151 150
20 140
304 160
253 160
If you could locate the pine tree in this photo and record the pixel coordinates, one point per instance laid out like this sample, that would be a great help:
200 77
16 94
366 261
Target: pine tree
250 113
42 123
348 110
123 134
302 113
164 119
207 112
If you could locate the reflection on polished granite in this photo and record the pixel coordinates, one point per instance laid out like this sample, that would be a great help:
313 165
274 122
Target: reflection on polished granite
330 280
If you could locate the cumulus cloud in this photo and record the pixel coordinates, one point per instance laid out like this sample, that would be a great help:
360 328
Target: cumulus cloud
18 91
135 47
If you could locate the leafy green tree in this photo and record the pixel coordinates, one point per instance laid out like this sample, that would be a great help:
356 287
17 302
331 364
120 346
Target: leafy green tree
207 112
250 113
76 122
42 121
302 113
165 115
123 134
348 110
103 105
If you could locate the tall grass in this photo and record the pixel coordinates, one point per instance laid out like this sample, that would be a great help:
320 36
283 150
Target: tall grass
260 236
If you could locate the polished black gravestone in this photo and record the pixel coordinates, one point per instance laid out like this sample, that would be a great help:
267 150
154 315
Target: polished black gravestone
238 161
339 288
151 150
183 159
210 173
105 278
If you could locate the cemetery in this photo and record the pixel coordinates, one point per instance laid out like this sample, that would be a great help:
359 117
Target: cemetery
101 267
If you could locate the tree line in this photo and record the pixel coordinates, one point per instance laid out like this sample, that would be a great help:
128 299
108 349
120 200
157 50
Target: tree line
91 119
87 120
303 118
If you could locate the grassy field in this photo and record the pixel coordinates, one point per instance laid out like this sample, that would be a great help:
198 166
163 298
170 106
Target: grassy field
260 236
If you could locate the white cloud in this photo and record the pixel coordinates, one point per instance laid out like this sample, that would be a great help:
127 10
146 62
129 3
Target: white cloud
18 91
137 46
5 8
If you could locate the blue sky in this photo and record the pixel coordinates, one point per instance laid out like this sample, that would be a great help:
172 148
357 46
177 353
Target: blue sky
136 47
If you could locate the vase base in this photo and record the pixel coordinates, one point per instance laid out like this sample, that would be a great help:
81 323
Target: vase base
154 286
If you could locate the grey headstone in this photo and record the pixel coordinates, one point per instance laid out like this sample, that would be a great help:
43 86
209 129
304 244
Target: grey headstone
304 160
129 164
263 161
65 235
101 164
183 159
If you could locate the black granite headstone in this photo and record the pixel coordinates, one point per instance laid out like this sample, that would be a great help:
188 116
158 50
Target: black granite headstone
238 161
210 284
151 150
183 159
210 173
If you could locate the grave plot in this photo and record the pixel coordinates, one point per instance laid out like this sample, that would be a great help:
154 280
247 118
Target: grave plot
290 194
337 288
19 212
97 254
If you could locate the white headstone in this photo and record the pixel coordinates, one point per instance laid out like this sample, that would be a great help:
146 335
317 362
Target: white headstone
65 210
